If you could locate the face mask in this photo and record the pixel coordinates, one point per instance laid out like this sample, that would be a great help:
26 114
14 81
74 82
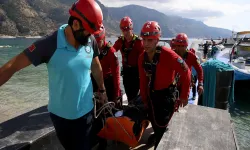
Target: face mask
80 37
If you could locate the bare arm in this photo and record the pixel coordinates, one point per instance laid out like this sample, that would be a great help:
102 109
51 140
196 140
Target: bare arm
15 64
39 52
97 73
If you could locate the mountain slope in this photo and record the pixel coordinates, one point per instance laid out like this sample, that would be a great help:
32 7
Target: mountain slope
40 17
171 25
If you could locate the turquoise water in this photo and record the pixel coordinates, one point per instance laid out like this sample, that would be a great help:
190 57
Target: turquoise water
27 90
240 113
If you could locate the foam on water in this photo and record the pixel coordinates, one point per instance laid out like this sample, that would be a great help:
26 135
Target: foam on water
5 46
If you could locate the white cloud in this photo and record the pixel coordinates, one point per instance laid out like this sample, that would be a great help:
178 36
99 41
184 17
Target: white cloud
230 14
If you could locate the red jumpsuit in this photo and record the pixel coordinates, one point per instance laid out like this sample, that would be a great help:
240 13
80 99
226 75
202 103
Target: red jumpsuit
130 53
192 61
137 49
169 64
110 68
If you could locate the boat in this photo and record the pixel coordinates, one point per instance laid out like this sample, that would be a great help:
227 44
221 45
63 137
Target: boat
214 46
243 44
238 56
230 41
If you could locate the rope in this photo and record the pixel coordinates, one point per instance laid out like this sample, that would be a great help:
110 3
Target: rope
107 106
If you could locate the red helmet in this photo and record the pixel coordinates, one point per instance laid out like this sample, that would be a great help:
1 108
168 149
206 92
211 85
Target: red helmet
151 29
126 24
181 39
100 35
90 14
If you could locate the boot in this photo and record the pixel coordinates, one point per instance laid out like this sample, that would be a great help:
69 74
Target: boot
151 140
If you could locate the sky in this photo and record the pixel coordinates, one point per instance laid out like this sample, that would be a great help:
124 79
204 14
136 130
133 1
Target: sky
228 14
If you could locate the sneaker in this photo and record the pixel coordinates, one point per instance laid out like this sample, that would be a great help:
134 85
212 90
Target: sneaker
193 98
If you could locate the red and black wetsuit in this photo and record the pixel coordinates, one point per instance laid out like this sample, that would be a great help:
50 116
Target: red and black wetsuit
192 61
130 53
111 74
158 86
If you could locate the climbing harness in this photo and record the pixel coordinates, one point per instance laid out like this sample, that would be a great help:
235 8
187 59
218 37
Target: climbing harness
125 50
150 69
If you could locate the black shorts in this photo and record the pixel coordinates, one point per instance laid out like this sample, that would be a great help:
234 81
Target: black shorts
74 134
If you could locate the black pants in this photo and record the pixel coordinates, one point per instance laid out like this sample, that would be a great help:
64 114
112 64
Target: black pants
97 125
161 109
131 82
205 51
73 134
194 87
158 131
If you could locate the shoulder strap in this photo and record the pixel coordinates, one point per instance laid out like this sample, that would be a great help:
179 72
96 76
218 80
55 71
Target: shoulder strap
125 50
105 51
150 67
136 37
156 60
185 56
121 37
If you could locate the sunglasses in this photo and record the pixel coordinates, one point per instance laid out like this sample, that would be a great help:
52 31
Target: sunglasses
149 33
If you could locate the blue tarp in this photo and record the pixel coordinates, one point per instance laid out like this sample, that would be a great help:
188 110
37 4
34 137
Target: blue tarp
210 68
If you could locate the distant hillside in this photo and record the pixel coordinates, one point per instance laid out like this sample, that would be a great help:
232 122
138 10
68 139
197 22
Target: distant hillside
171 25
40 17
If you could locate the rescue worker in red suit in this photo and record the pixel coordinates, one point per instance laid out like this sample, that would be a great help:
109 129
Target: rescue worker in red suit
130 46
181 43
110 67
194 76
160 69
111 76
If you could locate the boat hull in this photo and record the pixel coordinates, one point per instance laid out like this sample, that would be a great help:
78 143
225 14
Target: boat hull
243 48
240 74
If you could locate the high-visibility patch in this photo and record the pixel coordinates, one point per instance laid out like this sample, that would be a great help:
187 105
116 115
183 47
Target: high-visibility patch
183 64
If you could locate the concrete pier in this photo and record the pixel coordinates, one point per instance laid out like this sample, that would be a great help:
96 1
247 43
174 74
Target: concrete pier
201 128
193 127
